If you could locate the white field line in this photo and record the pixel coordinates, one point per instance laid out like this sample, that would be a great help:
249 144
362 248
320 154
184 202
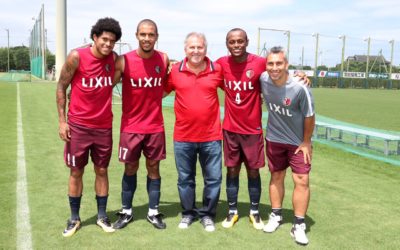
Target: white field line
24 235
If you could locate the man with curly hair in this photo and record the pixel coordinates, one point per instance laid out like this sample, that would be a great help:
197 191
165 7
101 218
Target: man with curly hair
88 129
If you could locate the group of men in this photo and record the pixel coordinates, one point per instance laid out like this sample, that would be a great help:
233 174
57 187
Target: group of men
92 72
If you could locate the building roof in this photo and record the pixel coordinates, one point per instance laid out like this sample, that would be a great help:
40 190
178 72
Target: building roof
363 58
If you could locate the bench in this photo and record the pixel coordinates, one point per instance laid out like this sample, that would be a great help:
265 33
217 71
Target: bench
335 132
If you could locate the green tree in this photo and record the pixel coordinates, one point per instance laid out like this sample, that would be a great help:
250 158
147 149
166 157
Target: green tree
20 57
322 67
3 59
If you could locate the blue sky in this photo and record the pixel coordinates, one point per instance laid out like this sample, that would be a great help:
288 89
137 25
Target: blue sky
357 19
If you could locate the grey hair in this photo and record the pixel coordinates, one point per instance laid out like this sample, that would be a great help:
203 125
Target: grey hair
198 35
277 50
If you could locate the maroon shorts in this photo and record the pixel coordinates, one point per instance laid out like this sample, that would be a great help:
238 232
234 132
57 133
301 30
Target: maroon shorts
240 148
281 156
131 146
84 140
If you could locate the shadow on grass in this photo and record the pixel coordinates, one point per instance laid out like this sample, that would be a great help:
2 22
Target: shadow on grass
265 210
169 209
173 209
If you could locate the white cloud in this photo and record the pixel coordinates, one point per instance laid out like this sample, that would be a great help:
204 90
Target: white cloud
379 9
234 7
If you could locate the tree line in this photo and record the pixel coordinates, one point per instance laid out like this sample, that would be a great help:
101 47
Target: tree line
20 59
353 66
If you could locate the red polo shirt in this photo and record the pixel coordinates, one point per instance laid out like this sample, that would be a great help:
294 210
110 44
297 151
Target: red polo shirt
196 102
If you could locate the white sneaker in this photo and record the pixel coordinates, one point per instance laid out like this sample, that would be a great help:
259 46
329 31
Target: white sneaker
208 224
274 222
298 232
186 221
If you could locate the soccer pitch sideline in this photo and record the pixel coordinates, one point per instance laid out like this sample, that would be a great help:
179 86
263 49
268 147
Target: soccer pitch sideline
354 202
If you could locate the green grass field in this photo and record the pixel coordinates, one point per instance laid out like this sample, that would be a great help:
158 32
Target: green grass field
354 202
375 108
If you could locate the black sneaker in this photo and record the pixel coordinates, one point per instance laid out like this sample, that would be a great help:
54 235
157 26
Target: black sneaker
72 227
156 221
123 220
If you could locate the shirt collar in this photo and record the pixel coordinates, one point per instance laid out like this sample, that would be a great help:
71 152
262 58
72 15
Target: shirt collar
209 68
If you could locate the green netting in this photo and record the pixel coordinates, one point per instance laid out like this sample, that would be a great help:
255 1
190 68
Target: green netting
37 44
363 145
117 94
36 66
373 150
16 76
168 101
322 118
370 142
361 151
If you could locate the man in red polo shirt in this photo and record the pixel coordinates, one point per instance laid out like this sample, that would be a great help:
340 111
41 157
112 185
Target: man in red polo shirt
197 131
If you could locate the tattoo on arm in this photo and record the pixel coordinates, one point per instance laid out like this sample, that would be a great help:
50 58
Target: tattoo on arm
66 75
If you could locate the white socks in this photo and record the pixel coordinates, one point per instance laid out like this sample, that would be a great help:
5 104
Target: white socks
152 212
254 212
127 211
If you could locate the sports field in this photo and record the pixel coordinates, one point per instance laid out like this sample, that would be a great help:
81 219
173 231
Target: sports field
354 202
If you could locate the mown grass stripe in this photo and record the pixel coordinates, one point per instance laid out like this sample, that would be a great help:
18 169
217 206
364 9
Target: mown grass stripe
24 235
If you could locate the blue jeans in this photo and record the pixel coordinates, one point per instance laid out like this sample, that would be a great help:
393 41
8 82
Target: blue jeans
210 157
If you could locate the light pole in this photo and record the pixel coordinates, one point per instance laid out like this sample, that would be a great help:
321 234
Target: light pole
302 58
316 56
391 63
8 50
288 44
61 35
321 58
343 37
258 41
367 66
